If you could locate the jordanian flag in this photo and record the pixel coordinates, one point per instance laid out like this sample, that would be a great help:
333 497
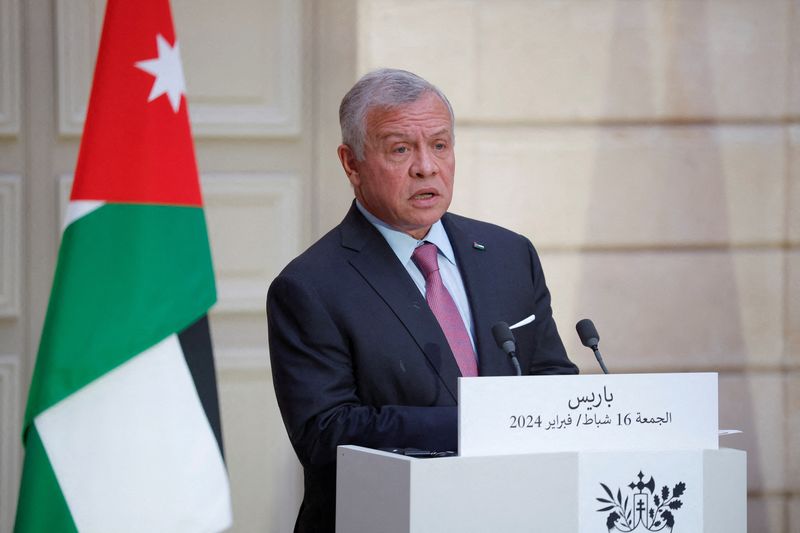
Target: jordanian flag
122 429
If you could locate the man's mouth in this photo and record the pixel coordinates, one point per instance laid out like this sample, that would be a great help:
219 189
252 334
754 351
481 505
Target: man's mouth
423 196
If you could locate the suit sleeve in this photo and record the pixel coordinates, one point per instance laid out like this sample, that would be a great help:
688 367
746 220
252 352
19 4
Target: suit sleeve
316 389
549 355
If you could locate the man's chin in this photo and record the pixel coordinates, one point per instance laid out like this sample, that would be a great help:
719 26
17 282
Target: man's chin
422 226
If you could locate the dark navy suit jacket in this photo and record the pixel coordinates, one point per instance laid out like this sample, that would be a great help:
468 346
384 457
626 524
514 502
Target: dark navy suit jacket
358 357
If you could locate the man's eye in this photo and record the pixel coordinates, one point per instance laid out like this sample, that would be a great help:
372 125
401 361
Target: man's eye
401 149
440 146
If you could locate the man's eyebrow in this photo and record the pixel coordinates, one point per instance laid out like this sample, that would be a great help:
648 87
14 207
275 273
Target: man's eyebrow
392 134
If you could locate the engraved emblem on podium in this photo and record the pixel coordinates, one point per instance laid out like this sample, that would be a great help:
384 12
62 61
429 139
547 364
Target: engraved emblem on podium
642 508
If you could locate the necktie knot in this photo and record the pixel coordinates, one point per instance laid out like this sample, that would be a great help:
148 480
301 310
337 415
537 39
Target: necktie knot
426 258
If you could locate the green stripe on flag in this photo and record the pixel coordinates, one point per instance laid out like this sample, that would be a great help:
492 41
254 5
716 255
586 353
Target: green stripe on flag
42 507
127 277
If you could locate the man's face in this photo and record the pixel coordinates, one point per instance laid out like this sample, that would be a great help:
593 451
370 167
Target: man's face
406 177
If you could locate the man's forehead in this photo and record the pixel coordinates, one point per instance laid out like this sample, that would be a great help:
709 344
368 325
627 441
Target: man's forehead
431 117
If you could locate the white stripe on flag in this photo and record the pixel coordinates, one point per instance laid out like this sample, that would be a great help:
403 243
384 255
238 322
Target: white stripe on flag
133 450
79 208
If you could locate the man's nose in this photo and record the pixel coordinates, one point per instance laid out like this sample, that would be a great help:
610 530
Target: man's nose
424 164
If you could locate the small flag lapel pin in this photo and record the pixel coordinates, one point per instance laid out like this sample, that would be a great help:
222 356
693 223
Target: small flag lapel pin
478 246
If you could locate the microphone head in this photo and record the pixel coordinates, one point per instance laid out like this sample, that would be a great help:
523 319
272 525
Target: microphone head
588 333
502 333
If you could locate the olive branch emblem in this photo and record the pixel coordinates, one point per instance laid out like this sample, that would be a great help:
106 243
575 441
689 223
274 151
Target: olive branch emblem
647 509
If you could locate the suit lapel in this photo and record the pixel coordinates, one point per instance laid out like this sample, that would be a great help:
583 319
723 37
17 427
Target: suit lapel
478 272
381 269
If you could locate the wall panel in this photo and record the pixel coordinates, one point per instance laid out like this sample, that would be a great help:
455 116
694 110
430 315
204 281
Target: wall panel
78 26
793 189
409 35
793 23
794 514
519 61
626 186
242 64
10 244
767 514
255 223
266 480
712 310
10 67
792 296
241 60
793 430
11 408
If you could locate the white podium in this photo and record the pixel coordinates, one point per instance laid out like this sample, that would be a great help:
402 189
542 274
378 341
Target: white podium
571 492
560 454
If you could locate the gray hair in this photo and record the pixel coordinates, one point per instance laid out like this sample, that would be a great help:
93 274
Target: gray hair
385 88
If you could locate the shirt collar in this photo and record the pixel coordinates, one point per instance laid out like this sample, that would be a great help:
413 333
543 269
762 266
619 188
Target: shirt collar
403 244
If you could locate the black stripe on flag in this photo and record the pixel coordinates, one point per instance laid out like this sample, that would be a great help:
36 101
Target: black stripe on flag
196 345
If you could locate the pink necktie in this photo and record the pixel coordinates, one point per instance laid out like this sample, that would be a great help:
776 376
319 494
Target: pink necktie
444 309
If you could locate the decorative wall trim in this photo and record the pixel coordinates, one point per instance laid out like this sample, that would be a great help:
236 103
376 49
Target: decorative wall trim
793 206
10 245
272 111
78 26
10 443
10 71
255 228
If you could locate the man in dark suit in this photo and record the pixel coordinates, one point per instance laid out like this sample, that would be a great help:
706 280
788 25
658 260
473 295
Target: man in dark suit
367 337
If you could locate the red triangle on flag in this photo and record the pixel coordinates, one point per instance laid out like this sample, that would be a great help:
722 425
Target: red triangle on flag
134 150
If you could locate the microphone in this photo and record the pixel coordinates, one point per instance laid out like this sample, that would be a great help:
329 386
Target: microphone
505 340
590 338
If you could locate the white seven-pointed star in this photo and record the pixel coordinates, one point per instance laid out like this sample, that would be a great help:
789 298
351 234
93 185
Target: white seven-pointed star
168 71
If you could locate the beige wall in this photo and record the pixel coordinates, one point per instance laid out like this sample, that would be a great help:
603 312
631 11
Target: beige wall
650 149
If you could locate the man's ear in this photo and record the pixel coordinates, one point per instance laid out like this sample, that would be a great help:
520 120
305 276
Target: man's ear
349 163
